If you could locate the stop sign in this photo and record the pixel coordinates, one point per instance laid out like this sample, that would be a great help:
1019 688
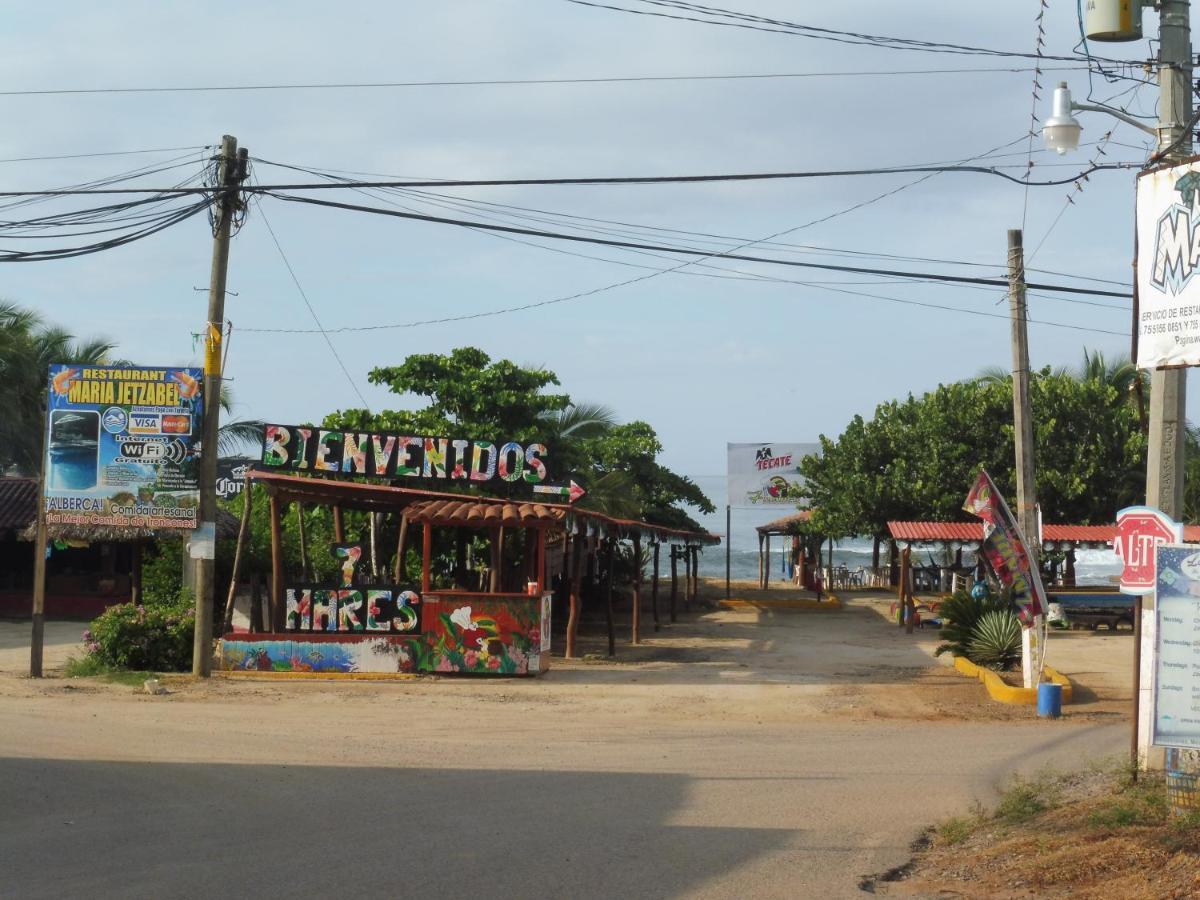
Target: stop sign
1139 530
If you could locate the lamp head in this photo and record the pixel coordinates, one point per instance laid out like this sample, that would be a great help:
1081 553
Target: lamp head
1061 131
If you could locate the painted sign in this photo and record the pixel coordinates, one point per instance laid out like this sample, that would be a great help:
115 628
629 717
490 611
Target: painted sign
1168 258
764 474
1176 669
1139 530
350 608
1005 549
324 451
122 446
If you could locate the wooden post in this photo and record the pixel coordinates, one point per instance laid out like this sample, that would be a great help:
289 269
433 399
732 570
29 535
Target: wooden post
400 570
674 582
276 564
635 634
695 574
765 562
135 573
761 570
339 529
573 615
902 591
374 521
243 532
306 571
609 561
687 579
426 557
654 588
497 560
541 560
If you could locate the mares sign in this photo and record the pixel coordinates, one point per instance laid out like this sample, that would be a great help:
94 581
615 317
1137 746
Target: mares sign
378 609
331 452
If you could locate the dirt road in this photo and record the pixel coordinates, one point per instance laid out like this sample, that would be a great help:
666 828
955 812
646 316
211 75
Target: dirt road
736 754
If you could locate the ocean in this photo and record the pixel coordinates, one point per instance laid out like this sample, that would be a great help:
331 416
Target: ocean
1091 566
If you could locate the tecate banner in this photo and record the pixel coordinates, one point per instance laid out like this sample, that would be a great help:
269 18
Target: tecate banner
762 474
1168 258
122 446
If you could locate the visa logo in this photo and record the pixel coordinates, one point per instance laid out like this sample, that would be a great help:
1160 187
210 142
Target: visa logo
143 424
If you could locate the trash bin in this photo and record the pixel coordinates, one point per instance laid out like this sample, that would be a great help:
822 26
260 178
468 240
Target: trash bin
1049 700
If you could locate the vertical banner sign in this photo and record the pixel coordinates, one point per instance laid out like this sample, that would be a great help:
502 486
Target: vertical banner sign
1139 530
764 474
1005 549
1168 257
1176 673
122 446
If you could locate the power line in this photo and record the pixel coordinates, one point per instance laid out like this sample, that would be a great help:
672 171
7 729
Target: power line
532 232
18 159
518 82
600 180
312 312
733 19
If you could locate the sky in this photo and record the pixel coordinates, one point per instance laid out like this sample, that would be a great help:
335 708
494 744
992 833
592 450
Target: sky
706 360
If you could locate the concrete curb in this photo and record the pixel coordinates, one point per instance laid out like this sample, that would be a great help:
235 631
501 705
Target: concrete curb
1004 693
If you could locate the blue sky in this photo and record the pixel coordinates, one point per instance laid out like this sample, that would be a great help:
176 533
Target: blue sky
705 360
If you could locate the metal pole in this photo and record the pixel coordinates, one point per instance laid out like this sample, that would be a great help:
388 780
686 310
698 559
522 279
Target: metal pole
728 549
1168 387
231 169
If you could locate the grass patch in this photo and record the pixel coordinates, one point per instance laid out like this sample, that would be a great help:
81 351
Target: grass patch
1025 799
90 667
956 830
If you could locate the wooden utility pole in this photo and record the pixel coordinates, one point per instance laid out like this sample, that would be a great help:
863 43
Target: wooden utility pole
635 635
231 170
38 638
1023 434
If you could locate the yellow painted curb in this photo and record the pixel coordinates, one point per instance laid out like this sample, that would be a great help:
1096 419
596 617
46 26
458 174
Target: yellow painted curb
831 602
255 675
1005 693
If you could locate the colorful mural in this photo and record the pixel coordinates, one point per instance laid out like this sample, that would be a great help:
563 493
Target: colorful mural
484 634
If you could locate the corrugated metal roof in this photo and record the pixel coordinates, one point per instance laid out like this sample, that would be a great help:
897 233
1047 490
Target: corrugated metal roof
18 503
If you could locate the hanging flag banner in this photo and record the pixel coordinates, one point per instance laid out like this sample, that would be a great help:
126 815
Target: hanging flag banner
1005 549
1168 258
122 446
325 451
764 474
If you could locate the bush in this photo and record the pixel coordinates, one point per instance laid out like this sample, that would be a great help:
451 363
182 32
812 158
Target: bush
156 637
995 640
162 572
960 614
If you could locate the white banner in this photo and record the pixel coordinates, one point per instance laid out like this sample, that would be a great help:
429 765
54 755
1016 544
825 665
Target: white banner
762 474
1168 256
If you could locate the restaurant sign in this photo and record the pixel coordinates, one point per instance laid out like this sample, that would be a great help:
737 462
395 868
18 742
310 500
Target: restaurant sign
122 446
1176 673
326 451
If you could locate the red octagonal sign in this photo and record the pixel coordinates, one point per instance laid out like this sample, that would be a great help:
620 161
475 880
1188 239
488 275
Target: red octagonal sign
1139 530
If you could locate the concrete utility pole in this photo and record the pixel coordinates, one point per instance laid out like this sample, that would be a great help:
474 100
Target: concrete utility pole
231 169
1023 436
1168 387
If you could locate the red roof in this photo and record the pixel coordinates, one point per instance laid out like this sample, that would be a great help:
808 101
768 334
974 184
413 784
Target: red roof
973 531
18 503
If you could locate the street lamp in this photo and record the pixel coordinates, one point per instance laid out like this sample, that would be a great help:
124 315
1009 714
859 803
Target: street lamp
1061 131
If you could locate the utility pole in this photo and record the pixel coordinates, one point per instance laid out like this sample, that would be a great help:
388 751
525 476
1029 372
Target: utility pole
1023 436
1168 387
231 170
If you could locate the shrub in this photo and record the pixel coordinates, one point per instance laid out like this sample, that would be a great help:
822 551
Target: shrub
960 614
157 637
162 572
995 640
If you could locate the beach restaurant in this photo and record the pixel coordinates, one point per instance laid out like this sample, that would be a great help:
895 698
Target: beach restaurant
408 621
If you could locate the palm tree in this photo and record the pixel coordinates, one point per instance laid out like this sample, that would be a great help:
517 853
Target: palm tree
28 347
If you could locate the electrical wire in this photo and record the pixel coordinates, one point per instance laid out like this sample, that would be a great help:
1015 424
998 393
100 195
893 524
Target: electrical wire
20 159
513 82
963 279
733 19
312 312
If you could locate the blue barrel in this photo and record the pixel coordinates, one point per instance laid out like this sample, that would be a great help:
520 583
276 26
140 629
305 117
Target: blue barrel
1049 700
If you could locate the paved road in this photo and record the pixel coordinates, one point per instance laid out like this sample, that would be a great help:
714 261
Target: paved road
689 780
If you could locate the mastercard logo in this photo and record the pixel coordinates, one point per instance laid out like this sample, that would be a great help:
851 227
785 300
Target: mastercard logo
176 424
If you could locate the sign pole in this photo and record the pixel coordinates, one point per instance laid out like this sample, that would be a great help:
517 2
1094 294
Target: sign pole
728 550
38 637
1134 749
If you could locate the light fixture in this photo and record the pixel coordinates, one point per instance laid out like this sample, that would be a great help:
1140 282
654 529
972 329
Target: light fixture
1061 131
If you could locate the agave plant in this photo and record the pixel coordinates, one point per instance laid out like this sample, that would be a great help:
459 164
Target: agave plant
996 640
960 613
